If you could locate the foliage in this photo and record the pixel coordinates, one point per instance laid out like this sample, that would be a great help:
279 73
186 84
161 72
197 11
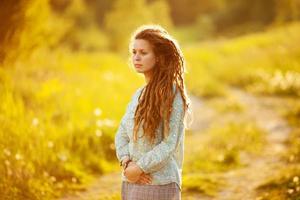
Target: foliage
201 183
284 185
59 127
120 33
223 145
272 65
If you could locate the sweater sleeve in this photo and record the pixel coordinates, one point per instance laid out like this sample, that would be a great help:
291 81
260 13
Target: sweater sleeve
122 140
159 156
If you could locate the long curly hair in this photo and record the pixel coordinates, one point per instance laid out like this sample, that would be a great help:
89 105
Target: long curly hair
155 103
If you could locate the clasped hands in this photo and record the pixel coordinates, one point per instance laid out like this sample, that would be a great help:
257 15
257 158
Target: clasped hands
134 173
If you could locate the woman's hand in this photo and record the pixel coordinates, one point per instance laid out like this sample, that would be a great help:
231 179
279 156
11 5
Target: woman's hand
135 174
144 179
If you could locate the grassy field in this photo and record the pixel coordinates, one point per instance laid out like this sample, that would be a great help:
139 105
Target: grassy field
264 63
58 119
59 111
215 151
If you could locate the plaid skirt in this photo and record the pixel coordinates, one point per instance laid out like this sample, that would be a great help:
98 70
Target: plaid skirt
132 191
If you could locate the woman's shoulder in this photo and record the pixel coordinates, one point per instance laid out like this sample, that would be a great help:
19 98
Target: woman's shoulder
137 92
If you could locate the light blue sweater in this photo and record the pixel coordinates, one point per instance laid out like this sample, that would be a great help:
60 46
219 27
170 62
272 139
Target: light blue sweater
163 159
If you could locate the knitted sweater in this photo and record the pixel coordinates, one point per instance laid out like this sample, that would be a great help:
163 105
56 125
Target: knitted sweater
163 159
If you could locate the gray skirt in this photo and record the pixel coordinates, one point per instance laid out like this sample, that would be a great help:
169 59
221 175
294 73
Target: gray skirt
133 191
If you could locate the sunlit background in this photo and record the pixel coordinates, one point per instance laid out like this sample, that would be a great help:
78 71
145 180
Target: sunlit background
65 81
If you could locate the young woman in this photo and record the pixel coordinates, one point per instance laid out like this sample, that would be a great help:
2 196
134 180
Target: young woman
150 139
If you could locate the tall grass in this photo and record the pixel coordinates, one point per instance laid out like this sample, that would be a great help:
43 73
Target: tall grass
218 150
266 62
58 116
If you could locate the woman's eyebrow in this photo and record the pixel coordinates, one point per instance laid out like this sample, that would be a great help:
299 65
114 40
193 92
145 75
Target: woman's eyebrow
138 49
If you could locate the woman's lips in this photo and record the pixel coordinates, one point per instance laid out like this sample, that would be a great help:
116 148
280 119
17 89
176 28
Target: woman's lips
137 65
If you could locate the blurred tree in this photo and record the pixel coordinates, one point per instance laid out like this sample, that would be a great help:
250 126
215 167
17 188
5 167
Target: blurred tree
12 20
127 15
162 17
237 12
187 12
287 10
27 25
256 13
204 26
100 9
60 5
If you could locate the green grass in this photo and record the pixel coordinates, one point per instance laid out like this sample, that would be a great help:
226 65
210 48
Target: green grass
266 63
292 115
58 118
216 151
201 183
228 104
220 149
283 185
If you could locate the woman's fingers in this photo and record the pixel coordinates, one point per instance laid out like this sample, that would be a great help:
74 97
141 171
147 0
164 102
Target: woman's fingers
145 179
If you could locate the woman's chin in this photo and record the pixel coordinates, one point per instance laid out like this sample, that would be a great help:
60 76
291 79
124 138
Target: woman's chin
139 70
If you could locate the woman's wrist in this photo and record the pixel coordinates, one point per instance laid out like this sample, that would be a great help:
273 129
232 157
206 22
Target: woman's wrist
125 163
124 159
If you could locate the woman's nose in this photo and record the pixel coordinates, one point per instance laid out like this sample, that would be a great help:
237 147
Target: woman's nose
137 57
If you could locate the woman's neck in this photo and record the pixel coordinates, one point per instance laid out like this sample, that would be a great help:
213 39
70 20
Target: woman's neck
148 76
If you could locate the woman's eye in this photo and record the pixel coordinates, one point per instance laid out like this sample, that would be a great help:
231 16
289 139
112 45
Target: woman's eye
141 53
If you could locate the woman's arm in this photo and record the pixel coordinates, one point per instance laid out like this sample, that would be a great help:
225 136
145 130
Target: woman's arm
159 156
122 141
121 137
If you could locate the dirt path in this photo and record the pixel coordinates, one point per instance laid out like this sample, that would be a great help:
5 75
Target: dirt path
241 183
104 187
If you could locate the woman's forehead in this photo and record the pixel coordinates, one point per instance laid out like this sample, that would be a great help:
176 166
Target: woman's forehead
141 44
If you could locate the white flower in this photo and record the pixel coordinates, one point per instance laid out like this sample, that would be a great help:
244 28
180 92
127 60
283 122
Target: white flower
97 112
50 144
74 180
18 156
109 122
98 133
290 191
105 122
52 179
62 157
35 121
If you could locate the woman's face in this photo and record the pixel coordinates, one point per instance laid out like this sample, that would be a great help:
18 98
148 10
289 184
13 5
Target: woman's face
143 57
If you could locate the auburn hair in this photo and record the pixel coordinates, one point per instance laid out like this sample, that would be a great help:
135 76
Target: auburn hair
156 100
